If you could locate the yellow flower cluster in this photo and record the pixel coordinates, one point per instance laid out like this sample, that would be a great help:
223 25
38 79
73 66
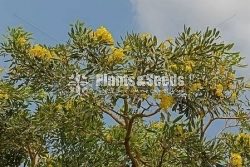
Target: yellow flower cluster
236 160
196 86
243 139
116 56
108 137
179 130
158 125
21 41
233 96
4 95
189 66
222 70
173 67
166 101
219 90
40 52
104 35
59 107
69 105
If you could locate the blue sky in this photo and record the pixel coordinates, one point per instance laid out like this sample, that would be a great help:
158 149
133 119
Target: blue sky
49 19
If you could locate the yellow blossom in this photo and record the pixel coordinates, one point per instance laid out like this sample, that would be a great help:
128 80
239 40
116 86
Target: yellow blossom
179 130
231 76
188 69
219 90
196 86
116 56
222 70
189 66
243 139
236 160
40 52
173 67
4 96
59 107
108 137
21 41
104 35
191 63
233 96
158 125
69 105
166 101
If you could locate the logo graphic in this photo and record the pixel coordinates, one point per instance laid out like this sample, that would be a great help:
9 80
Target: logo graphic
78 83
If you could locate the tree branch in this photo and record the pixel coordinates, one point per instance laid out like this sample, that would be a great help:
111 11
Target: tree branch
221 118
127 142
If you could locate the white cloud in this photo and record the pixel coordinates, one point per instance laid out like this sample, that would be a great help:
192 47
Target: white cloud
166 18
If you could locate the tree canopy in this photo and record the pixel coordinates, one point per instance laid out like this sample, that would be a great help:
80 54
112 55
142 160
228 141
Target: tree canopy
43 123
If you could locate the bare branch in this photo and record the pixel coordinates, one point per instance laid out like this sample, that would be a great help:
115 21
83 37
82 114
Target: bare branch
221 118
151 114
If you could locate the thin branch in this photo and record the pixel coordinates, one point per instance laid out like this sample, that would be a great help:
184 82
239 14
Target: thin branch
151 114
162 157
221 118
115 117
145 109
112 113
227 127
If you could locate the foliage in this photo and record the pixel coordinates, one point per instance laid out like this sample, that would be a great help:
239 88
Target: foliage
43 123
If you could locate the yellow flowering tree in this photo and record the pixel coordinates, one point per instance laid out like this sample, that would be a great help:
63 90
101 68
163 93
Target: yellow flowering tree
140 123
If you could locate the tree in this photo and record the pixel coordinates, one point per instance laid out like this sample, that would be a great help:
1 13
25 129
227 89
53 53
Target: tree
44 123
